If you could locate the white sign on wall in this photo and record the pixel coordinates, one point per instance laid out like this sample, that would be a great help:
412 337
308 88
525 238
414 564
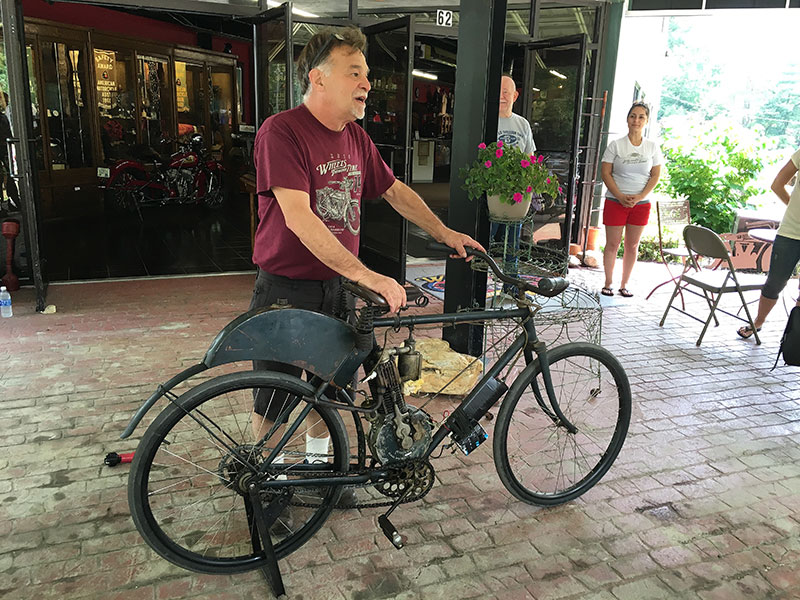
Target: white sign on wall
444 18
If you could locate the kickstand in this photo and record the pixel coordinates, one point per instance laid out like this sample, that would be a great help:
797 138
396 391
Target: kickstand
264 518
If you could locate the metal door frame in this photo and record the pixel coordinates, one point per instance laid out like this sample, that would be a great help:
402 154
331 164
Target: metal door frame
406 22
23 141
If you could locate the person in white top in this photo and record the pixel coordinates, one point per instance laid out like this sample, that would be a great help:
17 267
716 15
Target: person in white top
512 128
630 168
785 249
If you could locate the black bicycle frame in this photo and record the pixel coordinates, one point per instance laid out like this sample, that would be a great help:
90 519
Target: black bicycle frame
527 341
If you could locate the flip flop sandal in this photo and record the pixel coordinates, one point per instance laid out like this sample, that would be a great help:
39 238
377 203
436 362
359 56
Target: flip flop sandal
606 291
625 293
746 332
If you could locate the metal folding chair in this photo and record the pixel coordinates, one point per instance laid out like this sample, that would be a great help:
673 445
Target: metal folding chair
702 242
672 213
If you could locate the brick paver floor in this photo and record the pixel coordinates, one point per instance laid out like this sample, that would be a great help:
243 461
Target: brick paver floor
702 502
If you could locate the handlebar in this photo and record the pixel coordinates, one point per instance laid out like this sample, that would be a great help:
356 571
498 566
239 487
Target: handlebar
544 286
365 294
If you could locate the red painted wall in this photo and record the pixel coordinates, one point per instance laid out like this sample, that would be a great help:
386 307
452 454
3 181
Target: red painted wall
104 19
107 20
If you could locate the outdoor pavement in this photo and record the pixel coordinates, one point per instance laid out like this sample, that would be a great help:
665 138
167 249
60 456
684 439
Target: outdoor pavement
702 503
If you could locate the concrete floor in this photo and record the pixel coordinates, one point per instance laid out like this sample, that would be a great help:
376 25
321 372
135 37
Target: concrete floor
702 502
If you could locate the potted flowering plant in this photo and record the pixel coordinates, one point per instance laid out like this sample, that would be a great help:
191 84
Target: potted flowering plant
510 179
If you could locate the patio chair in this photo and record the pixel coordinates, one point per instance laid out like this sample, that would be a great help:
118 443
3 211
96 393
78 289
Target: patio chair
702 242
672 214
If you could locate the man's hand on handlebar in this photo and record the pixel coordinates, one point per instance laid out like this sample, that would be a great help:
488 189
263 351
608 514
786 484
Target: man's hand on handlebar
392 292
458 241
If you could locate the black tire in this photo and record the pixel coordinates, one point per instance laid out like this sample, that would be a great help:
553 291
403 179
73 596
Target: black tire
542 463
184 479
119 196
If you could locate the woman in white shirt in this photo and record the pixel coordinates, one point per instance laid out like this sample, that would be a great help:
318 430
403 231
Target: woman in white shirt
785 249
630 168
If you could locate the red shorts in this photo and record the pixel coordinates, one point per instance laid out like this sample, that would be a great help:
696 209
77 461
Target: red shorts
616 215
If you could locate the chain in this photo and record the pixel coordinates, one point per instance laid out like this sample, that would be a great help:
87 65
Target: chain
415 473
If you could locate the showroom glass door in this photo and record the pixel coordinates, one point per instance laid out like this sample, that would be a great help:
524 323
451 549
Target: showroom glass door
552 99
388 122
274 62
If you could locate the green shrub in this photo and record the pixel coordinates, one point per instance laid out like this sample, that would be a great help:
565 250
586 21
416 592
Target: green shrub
648 247
714 168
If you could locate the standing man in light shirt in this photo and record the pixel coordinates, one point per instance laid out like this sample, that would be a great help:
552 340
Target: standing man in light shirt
514 130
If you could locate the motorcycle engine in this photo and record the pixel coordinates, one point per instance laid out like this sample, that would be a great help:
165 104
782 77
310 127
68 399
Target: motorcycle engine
397 437
183 181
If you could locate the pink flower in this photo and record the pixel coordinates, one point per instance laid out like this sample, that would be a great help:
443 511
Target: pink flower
560 189
541 158
498 153
499 144
481 145
533 158
548 180
487 164
524 163
517 197
529 189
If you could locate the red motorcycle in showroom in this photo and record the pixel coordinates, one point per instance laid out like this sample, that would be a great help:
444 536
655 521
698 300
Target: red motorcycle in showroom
184 177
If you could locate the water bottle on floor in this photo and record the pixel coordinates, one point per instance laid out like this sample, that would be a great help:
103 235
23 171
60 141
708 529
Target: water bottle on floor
5 302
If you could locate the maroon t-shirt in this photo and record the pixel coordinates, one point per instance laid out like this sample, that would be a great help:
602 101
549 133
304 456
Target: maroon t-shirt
336 168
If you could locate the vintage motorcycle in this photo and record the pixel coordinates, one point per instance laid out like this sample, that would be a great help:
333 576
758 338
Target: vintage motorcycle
184 177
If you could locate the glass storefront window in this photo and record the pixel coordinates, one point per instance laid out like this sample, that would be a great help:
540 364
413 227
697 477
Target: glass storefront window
239 94
559 21
273 34
34 89
154 90
517 22
68 115
37 125
116 99
302 34
190 92
221 106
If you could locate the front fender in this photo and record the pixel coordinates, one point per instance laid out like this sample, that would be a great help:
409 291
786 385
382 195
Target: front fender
132 166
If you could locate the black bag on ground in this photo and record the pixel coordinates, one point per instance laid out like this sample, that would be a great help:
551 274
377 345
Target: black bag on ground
790 342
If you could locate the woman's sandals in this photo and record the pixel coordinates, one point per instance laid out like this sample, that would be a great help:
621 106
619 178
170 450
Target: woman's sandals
607 291
746 332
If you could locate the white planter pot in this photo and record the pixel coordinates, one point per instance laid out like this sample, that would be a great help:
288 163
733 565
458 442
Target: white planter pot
501 211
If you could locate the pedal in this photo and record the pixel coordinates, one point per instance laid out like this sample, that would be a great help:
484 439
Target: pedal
469 442
389 530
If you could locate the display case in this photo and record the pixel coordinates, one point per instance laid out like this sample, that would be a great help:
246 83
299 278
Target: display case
190 95
155 92
69 118
115 75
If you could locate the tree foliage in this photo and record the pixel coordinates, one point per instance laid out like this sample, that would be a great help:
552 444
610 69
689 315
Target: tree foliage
705 80
715 168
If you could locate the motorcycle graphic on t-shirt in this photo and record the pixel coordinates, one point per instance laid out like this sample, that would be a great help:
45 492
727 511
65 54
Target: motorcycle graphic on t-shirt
335 203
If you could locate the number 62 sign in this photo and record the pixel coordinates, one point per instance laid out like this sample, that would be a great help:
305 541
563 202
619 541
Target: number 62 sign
444 18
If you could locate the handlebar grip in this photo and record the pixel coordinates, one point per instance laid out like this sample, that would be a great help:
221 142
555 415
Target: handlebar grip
548 286
365 294
439 247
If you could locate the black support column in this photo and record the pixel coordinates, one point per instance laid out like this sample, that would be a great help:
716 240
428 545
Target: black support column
481 36
19 94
